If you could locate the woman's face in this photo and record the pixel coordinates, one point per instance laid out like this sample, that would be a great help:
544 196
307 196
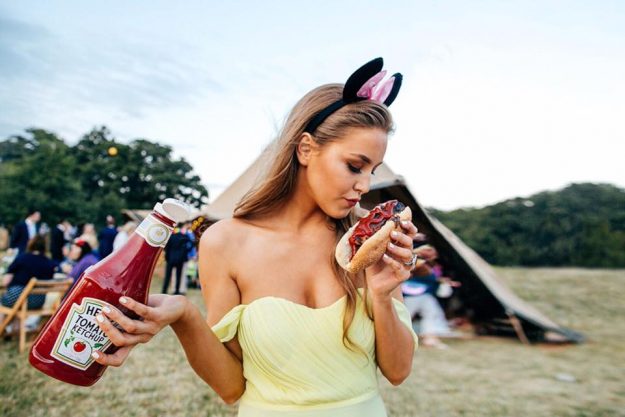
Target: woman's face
339 173
74 253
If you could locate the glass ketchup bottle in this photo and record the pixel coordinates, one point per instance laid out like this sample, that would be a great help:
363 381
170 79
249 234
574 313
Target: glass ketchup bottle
63 348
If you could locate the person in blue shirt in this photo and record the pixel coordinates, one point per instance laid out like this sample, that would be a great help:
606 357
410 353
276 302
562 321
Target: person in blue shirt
31 264
107 237
176 254
83 256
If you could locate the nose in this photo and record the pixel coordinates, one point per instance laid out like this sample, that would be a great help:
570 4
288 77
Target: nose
362 184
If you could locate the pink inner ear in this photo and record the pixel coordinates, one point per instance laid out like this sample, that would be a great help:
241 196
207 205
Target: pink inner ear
381 93
366 90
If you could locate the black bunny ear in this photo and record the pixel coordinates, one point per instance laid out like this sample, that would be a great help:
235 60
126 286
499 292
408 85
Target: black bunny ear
359 78
354 83
396 86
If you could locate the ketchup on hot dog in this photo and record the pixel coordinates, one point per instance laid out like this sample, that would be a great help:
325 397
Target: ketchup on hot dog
373 222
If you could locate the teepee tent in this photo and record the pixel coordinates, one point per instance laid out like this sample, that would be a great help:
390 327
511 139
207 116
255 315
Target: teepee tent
491 307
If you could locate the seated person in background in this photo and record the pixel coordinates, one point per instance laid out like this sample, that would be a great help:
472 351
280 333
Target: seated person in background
420 297
31 264
83 255
434 277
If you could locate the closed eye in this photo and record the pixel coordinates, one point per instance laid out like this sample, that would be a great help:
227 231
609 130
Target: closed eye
354 169
357 170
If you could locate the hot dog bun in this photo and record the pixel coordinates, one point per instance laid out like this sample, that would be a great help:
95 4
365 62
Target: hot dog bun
373 247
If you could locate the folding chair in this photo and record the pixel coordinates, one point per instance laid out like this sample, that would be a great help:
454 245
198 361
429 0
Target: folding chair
20 308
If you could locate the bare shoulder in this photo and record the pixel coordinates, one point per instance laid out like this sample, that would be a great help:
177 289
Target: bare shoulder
224 236
217 260
219 233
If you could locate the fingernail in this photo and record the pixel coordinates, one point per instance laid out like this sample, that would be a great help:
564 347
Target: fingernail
123 300
106 309
394 234
404 222
95 355
100 318
391 246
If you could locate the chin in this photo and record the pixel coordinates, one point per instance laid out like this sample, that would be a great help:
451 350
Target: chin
339 214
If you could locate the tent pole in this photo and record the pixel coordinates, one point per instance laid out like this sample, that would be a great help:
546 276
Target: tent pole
518 327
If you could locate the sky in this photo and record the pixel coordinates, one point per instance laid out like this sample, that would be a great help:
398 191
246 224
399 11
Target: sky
499 100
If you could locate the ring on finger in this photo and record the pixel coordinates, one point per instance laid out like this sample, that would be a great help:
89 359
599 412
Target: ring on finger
412 261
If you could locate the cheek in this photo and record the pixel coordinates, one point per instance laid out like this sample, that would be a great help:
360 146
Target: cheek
334 177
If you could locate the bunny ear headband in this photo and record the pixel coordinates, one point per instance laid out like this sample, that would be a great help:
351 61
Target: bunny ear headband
364 84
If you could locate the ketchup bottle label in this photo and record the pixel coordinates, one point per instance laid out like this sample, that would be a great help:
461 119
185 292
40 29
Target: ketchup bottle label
153 231
80 335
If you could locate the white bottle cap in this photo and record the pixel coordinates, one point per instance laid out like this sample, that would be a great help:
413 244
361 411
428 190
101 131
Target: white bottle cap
177 210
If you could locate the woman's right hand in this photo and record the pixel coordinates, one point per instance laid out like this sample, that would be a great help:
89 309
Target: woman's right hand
161 311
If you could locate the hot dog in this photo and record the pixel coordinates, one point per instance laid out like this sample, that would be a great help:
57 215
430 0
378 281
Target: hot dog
366 241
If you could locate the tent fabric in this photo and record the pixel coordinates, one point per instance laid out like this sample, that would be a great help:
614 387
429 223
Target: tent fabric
224 204
490 304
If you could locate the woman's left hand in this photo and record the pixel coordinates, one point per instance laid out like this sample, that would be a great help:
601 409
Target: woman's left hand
388 273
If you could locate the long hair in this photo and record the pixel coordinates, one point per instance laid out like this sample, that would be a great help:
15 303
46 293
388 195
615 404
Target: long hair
279 181
37 244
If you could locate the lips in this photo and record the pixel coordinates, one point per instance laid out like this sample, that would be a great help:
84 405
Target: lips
352 202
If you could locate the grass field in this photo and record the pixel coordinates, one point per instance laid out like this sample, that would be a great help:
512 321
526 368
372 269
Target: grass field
479 377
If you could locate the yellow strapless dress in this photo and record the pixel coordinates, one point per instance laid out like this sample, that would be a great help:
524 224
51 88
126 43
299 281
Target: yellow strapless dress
295 363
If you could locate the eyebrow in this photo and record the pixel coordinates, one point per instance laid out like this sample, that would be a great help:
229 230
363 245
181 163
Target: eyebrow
365 158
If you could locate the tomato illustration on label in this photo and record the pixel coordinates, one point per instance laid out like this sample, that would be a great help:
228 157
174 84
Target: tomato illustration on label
80 335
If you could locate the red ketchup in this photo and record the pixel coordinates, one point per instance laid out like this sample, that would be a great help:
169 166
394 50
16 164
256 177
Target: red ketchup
367 226
63 349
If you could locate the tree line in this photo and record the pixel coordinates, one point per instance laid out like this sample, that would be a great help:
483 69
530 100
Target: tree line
579 225
90 179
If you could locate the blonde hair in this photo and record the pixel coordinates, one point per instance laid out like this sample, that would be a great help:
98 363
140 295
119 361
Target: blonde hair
278 183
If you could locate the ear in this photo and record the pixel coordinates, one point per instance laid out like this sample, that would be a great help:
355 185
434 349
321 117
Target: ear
305 148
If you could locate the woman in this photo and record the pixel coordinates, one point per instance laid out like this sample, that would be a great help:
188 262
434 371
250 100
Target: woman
83 257
31 264
287 331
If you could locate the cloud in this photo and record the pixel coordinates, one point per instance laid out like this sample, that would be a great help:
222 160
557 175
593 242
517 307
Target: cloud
23 50
45 75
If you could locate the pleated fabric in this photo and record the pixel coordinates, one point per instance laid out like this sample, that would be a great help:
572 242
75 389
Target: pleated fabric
295 362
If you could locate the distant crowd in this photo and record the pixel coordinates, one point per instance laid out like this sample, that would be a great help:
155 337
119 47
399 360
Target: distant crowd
73 249
66 250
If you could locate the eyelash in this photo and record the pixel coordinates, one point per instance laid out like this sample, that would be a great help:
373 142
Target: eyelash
356 170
